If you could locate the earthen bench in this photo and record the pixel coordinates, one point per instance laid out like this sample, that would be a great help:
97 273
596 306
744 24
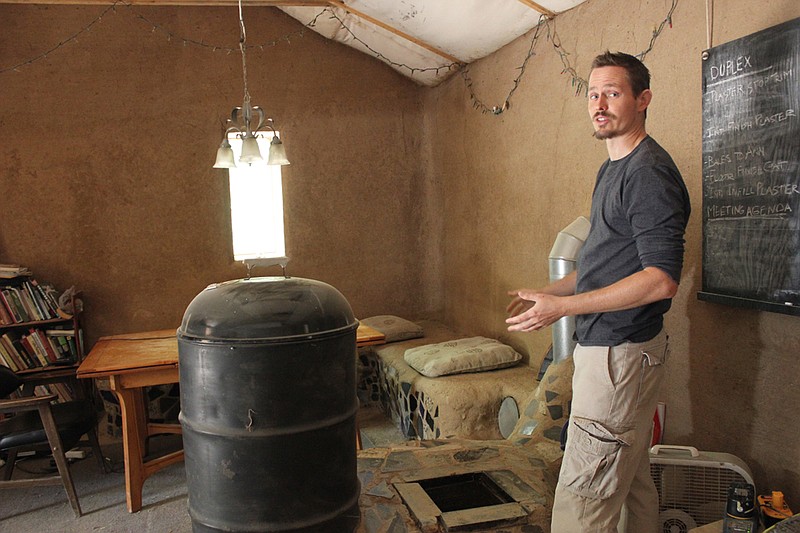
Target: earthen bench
459 405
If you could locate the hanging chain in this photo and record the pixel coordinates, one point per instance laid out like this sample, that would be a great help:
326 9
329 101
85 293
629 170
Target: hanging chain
243 47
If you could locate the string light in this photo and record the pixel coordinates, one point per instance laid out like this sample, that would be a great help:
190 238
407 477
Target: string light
74 37
657 31
578 82
155 27
227 49
495 109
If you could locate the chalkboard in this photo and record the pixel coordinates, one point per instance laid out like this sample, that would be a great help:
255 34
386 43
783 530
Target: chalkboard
751 185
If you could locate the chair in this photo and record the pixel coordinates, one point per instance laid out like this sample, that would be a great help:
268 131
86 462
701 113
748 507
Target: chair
39 425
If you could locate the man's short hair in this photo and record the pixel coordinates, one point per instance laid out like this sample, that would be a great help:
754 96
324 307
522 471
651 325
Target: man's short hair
638 75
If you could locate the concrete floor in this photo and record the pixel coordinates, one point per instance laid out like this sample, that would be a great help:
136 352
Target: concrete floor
102 496
102 499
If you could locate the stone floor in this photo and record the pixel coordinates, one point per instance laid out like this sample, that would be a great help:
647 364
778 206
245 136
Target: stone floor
385 507
389 467
526 464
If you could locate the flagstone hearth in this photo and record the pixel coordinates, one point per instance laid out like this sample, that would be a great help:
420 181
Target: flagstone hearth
520 472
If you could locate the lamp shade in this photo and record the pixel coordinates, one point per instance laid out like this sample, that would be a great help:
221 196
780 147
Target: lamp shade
250 152
277 152
225 156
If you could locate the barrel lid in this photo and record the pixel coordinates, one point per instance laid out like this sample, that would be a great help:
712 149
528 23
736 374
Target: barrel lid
266 308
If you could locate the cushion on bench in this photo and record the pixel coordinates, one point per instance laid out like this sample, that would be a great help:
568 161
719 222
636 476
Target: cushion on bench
473 354
394 328
458 405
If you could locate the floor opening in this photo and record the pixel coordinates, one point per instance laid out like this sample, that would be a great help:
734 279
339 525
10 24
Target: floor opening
464 491
467 501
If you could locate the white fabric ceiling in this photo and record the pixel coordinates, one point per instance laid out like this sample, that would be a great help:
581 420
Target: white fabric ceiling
460 31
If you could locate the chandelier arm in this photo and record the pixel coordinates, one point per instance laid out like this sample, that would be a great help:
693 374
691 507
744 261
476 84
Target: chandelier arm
261 117
233 128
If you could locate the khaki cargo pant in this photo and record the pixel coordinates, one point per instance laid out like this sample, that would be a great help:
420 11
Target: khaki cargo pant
606 462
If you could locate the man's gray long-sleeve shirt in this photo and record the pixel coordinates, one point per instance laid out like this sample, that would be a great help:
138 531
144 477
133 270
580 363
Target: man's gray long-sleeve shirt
640 208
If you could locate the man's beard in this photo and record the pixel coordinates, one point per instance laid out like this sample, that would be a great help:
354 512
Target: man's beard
602 135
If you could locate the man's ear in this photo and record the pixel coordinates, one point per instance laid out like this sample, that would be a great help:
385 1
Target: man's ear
644 99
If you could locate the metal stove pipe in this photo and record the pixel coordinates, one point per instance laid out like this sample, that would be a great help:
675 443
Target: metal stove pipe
563 257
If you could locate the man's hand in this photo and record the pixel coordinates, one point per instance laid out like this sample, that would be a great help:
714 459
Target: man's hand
518 304
532 310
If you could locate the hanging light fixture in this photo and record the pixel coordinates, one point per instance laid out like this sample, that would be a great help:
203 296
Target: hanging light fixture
247 121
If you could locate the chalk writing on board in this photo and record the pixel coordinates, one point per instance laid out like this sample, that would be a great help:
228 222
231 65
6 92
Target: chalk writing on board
751 170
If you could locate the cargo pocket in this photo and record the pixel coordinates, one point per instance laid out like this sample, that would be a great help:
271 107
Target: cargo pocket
591 466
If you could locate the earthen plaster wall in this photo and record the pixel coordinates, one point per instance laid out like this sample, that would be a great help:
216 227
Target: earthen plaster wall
106 178
511 182
408 200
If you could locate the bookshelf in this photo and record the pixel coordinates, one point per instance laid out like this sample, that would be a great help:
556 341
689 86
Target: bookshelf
39 340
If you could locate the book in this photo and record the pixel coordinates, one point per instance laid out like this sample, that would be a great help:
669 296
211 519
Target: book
61 350
44 343
60 389
36 300
40 348
13 350
61 345
27 301
6 359
13 271
43 390
30 306
73 346
64 391
5 314
34 357
56 332
46 292
60 342
8 302
16 300
28 357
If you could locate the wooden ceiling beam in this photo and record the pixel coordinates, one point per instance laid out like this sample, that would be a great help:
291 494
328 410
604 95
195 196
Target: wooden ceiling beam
252 3
395 31
537 7
248 3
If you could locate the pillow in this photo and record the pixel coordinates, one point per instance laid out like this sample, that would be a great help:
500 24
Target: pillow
474 354
394 328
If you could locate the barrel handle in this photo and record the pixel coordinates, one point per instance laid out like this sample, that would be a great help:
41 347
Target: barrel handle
690 449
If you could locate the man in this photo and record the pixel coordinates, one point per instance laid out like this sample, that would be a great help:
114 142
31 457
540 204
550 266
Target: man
627 273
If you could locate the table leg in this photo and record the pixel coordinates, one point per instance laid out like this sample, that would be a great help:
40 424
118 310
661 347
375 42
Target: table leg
142 419
133 437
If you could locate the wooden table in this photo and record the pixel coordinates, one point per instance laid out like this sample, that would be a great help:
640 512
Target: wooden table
137 360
